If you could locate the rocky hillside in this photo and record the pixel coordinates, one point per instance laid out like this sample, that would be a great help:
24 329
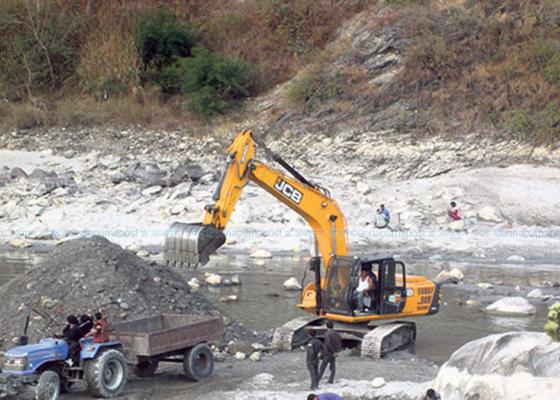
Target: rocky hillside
467 70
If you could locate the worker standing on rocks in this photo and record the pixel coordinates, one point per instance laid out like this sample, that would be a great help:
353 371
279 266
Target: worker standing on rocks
333 346
314 349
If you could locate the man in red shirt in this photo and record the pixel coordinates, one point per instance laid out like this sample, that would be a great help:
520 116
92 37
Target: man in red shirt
100 330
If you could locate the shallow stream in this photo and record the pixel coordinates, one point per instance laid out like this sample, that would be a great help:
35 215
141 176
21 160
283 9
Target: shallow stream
264 304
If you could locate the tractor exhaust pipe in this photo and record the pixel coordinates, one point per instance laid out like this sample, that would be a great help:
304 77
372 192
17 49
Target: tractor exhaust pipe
191 244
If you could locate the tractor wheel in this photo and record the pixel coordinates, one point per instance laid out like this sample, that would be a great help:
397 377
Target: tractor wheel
145 369
48 386
198 362
106 375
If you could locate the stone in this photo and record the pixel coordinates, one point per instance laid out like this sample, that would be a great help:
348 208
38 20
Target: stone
214 280
219 356
235 280
535 294
17 173
255 357
152 190
378 382
258 346
362 188
263 380
194 283
291 284
457 225
453 276
124 305
516 306
506 366
39 232
135 248
516 258
489 214
228 299
485 285
195 172
261 253
143 253
182 191
240 356
20 243
117 177
177 209
240 347
471 302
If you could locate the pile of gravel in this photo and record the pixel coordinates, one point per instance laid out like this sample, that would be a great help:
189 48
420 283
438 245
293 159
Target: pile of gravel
84 275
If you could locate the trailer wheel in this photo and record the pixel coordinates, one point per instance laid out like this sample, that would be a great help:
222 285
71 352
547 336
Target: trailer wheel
198 362
106 375
48 386
147 368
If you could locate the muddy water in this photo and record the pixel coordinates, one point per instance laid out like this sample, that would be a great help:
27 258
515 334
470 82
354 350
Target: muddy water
264 304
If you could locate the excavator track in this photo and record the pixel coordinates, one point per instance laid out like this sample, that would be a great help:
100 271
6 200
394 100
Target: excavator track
292 333
386 338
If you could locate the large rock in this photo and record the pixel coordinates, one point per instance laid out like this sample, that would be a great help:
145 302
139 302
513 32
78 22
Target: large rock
489 214
508 366
453 276
511 306
261 254
291 284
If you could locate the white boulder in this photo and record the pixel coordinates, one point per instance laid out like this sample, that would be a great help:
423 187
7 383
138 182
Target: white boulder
152 190
508 366
515 306
489 214
378 382
453 276
516 258
362 188
229 299
535 294
214 280
485 285
240 356
291 284
20 243
261 253
256 356
194 283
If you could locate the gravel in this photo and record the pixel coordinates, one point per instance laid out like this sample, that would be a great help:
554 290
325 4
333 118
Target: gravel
88 274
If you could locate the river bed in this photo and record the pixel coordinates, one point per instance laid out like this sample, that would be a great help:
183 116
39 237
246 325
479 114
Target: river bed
264 304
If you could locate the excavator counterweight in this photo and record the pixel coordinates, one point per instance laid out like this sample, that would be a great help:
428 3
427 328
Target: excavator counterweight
192 244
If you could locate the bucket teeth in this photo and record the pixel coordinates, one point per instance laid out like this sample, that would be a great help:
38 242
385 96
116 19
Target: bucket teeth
191 244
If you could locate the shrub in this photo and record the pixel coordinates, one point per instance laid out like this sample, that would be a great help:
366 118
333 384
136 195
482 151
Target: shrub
161 37
212 81
320 87
39 49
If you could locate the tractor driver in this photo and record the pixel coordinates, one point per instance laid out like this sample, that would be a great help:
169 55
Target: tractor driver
72 335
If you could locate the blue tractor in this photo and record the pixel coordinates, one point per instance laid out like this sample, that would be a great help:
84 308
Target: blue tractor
41 370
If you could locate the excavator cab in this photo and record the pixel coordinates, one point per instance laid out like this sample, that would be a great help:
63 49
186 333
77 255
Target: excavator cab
388 296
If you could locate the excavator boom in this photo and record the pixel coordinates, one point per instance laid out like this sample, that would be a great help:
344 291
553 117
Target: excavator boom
192 244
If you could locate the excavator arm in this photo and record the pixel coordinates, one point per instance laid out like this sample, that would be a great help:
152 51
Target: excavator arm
194 243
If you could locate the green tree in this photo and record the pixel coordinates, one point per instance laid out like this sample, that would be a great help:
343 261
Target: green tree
552 326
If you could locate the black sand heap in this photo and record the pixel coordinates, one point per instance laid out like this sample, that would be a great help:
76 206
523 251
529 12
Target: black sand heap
85 275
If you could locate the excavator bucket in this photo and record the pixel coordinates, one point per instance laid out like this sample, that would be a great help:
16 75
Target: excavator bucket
191 244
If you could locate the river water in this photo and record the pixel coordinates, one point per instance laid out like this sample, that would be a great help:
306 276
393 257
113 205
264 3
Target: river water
264 304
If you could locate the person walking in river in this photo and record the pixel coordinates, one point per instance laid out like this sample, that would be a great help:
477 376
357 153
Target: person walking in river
333 346
315 348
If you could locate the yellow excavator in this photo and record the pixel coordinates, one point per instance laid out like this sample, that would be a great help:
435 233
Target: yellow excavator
331 295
